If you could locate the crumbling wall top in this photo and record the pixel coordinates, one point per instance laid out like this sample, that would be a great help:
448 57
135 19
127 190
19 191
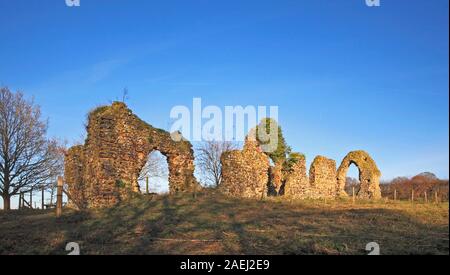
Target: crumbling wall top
115 151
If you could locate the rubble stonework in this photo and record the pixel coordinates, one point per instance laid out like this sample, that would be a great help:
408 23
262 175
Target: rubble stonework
118 143
245 173
74 171
297 182
322 178
276 178
105 170
369 175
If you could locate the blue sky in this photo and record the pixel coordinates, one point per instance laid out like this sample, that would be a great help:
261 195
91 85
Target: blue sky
345 76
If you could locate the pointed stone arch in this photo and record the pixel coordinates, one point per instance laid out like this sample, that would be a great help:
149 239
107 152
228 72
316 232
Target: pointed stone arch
106 168
369 175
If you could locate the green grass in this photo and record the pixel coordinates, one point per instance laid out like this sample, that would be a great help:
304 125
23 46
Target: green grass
214 224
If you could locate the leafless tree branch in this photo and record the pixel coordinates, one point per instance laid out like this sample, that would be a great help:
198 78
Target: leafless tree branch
27 158
208 160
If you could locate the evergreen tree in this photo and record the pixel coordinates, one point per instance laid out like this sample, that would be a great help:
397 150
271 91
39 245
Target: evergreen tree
282 150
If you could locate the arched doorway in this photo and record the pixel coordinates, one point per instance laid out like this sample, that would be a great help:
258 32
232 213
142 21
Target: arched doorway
352 182
369 175
108 165
154 177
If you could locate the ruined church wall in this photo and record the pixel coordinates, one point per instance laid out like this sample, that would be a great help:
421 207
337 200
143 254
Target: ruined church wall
369 175
74 170
245 173
297 182
105 170
248 174
276 179
322 178
116 149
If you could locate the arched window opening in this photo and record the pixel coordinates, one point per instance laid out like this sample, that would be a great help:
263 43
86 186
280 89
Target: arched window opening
352 180
154 177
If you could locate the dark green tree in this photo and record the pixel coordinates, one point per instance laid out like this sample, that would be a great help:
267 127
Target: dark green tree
282 150
282 155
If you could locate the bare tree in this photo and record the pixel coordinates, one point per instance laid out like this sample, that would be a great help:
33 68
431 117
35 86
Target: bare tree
155 167
27 158
156 170
208 160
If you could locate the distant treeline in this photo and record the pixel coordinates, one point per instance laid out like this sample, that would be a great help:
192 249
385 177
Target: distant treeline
403 187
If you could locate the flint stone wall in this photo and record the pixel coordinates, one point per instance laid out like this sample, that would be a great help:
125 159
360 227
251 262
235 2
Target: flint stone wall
245 173
322 178
297 183
106 168
276 179
118 143
74 171
369 175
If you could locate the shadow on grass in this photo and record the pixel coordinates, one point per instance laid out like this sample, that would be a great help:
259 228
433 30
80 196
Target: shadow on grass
213 224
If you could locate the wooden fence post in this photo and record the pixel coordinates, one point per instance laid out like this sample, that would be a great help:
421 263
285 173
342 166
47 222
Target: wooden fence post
146 185
31 197
426 197
436 198
412 195
395 194
195 192
353 194
42 198
59 197
20 200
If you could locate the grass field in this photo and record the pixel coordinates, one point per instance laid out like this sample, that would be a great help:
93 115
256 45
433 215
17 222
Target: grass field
214 224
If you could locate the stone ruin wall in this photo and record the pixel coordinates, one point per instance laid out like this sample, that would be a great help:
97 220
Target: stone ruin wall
74 171
106 168
369 175
118 143
322 178
276 179
321 182
297 183
245 175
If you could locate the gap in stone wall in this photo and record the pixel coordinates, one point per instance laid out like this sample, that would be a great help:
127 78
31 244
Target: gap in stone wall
157 171
352 179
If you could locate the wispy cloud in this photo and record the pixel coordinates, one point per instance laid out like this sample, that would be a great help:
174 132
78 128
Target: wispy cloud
102 70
